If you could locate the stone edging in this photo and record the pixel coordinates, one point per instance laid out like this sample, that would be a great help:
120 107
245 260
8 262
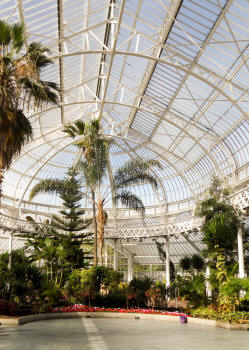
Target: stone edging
17 321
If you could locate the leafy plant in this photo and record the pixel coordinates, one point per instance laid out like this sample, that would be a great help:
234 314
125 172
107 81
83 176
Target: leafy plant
23 280
20 84
221 220
197 262
137 290
185 263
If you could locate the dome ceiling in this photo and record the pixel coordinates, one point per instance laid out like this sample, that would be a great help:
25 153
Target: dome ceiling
169 80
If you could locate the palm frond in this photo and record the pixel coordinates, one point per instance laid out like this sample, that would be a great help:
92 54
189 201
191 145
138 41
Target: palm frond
125 180
40 91
48 186
5 33
16 130
75 129
136 172
130 200
36 52
18 36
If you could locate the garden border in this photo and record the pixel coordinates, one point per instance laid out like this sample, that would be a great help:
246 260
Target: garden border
17 321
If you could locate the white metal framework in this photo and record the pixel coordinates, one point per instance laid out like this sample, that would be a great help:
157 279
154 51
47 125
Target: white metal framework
169 80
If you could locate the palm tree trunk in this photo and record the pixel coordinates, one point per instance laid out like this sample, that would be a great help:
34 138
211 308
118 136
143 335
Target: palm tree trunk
1 181
101 220
95 229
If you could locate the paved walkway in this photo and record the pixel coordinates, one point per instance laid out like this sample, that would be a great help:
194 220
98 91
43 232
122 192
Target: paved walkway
119 334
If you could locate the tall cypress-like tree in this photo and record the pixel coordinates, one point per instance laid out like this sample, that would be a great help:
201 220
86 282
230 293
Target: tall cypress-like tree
67 229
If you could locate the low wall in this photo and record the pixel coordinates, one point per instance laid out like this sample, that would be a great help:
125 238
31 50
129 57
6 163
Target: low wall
17 321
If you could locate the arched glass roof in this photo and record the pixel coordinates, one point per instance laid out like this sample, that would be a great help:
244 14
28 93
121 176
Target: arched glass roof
169 80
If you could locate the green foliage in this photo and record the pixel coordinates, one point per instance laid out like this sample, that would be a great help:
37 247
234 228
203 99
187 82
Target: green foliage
94 278
20 85
234 286
60 243
221 220
24 279
99 284
190 287
138 288
197 262
133 172
221 231
185 263
8 308
52 293
214 314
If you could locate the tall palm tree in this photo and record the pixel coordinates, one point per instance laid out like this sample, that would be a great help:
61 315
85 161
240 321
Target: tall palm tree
20 85
94 167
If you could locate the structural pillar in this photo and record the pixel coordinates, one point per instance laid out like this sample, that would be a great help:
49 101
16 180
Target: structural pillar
10 249
208 287
106 255
130 269
115 254
167 262
240 253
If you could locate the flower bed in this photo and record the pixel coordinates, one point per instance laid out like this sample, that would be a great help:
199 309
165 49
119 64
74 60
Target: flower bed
213 314
84 308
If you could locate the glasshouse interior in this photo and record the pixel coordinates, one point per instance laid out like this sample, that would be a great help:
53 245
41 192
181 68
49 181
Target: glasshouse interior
124 159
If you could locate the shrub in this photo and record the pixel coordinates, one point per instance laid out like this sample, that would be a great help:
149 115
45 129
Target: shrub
137 290
185 263
156 295
8 308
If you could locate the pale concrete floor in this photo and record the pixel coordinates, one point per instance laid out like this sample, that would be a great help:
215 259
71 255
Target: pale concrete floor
119 334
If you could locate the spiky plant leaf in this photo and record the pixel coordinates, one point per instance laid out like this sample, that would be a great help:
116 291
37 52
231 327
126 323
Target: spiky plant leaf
18 36
130 200
49 186
15 132
136 172
5 33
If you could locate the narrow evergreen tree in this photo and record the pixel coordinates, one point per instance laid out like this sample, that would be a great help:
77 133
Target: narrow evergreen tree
67 228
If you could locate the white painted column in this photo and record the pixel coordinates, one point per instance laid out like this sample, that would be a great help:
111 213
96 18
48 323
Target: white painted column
115 254
10 249
240 253
106 255
130 269
167 262
208 286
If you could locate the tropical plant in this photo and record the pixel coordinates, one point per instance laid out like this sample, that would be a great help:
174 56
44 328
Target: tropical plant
190 287
20 84
185 263
197 262
24 278
94 167
221 220
138 288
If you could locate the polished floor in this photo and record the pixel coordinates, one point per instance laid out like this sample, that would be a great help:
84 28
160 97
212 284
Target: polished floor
119 334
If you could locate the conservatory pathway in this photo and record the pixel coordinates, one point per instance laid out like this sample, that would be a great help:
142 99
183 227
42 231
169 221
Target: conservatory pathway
96 334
